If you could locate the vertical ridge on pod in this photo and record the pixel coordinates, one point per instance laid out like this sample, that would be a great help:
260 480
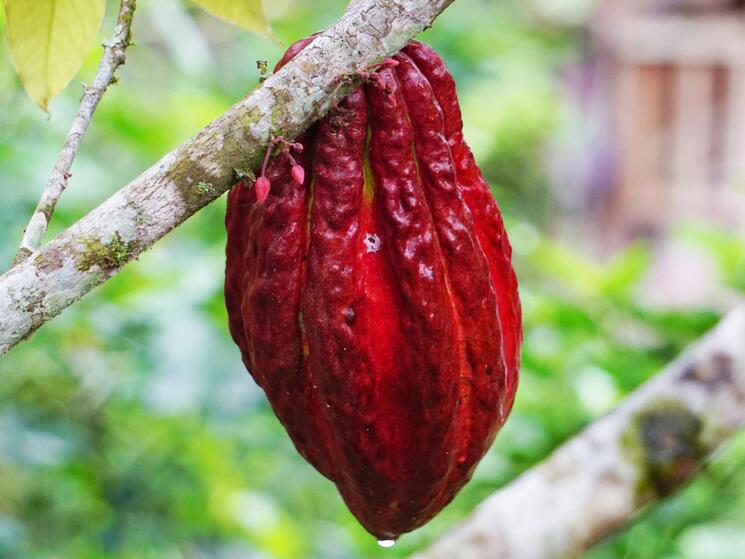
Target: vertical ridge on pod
275 244
240 200
427 386
477 195
331 298
473 293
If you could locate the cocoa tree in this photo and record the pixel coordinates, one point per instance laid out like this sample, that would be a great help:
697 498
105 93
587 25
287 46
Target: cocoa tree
46 278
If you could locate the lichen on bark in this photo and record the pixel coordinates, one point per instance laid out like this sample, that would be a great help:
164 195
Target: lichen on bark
106 255
663 442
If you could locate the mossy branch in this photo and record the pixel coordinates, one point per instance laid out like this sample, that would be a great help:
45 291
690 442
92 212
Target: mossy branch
50 279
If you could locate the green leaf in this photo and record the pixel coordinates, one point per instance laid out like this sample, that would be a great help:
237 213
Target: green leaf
248 14
48 41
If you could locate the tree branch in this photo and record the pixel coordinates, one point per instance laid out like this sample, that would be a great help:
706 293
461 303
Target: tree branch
644 450
113 57
203 168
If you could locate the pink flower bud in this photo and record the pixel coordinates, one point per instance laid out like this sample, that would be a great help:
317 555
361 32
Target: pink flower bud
298 174
262 187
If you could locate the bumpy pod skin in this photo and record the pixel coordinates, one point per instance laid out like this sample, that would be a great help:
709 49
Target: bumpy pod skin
376 304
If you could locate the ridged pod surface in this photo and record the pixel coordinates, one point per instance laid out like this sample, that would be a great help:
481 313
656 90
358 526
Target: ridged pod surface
376 303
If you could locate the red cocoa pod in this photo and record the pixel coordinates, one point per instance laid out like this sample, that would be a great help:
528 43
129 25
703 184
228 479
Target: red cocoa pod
374 300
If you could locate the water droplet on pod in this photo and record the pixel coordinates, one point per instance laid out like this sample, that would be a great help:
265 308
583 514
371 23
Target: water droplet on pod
386 543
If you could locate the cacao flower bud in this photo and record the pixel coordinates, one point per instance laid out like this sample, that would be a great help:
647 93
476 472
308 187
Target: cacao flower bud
262 187
298 173
376 303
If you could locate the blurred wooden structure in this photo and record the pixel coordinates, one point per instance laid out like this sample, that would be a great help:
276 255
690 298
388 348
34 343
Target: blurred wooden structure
674 73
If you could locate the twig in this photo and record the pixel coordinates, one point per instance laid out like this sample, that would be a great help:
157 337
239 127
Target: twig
196 173
647 448
113 57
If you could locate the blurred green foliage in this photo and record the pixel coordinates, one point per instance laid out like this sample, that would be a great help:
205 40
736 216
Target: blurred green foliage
128 426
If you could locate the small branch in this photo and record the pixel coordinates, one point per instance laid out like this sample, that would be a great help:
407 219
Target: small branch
199 171
646 449
113 57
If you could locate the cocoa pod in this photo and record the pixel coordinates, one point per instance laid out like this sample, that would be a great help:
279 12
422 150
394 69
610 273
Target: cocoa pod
373 298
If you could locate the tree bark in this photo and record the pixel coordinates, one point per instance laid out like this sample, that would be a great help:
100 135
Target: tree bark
644 450
203 168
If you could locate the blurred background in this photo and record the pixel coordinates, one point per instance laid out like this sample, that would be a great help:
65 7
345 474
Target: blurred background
613 133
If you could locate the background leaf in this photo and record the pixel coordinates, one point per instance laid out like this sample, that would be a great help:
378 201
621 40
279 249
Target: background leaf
248 14
48 41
